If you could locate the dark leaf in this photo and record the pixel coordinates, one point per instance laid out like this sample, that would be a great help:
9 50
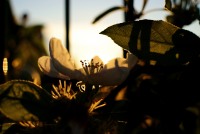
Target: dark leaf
155 42
23 100
168 5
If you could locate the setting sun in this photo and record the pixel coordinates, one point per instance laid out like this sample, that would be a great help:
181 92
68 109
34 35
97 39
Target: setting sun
87 43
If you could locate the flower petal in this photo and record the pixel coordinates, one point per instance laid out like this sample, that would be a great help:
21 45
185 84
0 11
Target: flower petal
97 59
61 59
114 72
46 66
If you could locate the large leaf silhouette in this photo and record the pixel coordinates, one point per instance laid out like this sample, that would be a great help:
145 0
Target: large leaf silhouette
24 101
154 41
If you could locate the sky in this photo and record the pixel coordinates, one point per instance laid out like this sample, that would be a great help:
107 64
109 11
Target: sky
85 40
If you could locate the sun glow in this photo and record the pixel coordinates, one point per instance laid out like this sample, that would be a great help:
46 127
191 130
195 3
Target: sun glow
86 43
57 30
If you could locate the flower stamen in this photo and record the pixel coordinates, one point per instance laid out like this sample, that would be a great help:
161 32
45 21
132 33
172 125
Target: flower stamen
61 91
91 68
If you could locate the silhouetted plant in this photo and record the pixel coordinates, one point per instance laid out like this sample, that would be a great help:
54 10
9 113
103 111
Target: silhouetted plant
154 90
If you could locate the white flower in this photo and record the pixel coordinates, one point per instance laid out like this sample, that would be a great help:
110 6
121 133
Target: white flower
59 64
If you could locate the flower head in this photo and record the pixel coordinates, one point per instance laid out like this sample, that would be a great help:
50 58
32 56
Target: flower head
60 64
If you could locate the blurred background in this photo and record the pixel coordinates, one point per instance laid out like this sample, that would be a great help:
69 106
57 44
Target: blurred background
28 26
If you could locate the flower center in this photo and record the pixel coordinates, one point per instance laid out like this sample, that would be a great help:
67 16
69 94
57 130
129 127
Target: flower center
91 68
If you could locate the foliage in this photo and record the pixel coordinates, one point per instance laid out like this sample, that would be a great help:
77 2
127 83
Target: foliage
160 95
155 41
22 45
182 12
